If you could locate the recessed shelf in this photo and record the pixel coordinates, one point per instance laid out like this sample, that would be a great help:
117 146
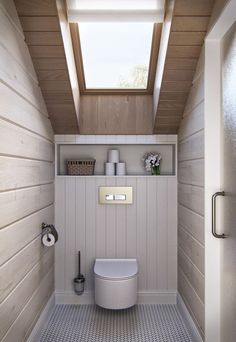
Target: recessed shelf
132 154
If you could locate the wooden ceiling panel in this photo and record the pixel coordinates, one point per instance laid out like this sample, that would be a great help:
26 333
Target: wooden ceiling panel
183 51
186 38
47 51
182 86
193 7
36 7
180 64
52 75
190 24
49 64
171 95
187 34
41 26
43 38
178 75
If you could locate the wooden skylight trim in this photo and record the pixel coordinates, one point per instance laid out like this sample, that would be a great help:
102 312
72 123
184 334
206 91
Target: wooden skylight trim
157 28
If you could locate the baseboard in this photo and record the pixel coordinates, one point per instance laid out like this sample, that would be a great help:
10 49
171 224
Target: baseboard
195 335
43 318
143 298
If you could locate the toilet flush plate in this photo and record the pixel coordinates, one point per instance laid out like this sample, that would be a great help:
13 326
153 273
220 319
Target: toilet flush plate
115 195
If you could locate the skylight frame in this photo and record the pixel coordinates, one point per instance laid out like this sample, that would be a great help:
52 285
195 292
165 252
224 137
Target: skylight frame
157 27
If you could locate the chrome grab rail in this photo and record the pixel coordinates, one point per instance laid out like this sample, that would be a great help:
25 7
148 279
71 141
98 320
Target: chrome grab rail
213 209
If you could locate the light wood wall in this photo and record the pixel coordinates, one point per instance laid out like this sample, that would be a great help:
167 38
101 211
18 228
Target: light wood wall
146 230
191 201
26 185
116 114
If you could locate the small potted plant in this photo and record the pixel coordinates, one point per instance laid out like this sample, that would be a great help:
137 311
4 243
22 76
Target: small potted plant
152 161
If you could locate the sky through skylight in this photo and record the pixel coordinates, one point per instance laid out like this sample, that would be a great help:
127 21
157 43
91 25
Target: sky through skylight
116 55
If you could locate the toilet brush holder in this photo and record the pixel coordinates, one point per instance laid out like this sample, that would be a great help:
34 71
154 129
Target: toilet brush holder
80 280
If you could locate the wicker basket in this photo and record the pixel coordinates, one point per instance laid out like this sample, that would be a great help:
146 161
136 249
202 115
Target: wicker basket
81 167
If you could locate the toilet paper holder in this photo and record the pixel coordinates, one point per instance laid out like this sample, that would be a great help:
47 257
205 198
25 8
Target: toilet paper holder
49 229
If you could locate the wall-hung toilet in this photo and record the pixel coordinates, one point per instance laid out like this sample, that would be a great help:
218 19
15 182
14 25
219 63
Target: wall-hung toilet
116 283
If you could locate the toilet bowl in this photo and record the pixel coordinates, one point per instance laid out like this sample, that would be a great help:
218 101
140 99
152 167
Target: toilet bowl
116 283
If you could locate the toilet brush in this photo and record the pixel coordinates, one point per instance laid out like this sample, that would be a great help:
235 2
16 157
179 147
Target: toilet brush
79 281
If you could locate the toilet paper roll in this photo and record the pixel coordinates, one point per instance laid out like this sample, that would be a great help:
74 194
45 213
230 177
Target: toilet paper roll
113 156
120 169
48 240
109 169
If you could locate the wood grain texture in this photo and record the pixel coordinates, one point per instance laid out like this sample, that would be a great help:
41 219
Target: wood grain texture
190 23
192 7
28 117
39 24
12 306
36 8
21 233
192 248
188 29
192 301
146 229
19 173
26 184
48 39
120 114
20 331
191 200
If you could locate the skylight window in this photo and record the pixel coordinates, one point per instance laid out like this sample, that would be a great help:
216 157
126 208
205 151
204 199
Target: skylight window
116 56
115 4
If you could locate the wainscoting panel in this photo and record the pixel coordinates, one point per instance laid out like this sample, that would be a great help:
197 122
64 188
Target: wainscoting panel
145 229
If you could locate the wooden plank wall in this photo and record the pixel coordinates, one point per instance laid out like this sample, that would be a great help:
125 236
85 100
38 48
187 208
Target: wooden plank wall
116 114
191 201
188 30
51 51
26 185
146 230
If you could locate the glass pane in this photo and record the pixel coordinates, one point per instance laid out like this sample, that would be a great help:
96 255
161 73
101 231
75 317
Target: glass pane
115 4
116 55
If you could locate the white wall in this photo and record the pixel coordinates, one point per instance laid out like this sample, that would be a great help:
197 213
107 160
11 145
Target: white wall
26 185
147 229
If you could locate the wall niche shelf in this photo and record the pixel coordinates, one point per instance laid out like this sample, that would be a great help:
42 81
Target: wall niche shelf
131 150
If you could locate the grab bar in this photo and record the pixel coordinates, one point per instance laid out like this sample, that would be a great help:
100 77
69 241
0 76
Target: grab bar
213 208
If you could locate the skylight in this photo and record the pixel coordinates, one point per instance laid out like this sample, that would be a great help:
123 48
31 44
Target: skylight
116 55
115 4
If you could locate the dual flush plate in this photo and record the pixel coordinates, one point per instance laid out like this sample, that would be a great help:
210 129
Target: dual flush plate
115 195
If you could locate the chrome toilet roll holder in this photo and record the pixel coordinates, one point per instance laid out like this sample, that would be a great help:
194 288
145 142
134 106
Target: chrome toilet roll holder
49 229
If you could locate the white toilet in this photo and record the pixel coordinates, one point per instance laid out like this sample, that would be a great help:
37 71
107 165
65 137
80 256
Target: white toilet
116 283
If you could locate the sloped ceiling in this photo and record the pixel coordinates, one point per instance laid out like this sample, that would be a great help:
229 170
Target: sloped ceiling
44 38
188 31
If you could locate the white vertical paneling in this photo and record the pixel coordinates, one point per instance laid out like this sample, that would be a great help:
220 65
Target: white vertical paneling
131 221
172 237
60 223
90 232
146 229
141 231
162 243
121 211
111 224
70 242
100 222
152 229
80 220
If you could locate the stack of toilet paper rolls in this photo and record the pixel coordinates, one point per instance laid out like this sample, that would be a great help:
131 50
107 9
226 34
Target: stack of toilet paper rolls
114 166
